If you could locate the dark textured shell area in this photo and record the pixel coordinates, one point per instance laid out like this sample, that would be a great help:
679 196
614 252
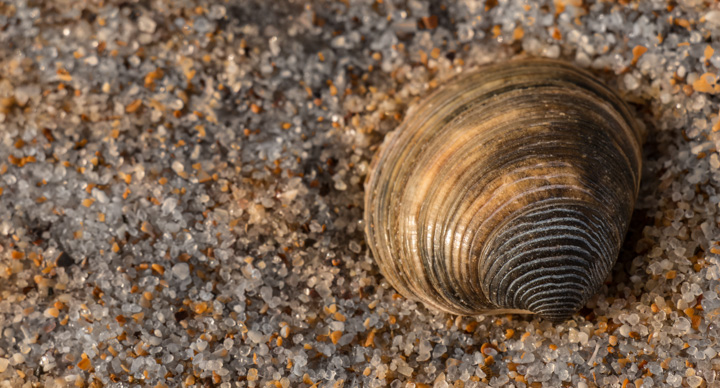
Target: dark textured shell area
507 189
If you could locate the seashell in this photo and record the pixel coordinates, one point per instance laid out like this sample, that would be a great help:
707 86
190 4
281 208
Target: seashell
507 190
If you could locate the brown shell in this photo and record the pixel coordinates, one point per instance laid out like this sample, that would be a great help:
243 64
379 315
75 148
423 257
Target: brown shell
508 189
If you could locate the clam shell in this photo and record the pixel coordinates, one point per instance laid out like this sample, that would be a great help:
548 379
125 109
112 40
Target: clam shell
508 189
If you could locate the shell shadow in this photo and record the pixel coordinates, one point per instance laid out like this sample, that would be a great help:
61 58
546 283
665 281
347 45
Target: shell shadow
618 285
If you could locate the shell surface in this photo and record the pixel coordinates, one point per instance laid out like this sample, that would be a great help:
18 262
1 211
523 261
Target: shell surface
509 189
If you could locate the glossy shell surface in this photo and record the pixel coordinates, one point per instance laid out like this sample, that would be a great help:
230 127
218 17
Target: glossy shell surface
508 189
